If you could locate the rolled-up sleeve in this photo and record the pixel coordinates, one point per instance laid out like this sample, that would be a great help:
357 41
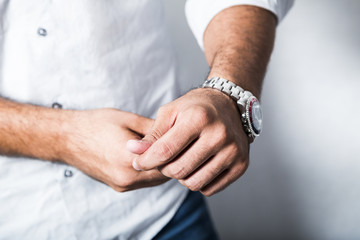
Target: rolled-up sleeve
200 12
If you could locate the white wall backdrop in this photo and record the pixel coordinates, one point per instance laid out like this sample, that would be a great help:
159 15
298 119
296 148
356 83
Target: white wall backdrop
304 176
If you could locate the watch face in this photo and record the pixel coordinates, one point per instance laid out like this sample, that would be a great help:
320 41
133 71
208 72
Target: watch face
255 115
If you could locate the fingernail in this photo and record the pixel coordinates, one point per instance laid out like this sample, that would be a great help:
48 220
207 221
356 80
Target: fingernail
136 166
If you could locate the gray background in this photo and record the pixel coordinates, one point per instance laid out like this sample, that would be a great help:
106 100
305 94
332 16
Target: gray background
303 180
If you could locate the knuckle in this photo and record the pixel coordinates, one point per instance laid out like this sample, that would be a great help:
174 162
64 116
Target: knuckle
242 159
238 170
123 183
194 188
192 184
116 188
207 193
228 163
119 189
177 172
233 156
162 110
155 134
234 148
199 115
222 129
165 151
243 167
220 136
215 171
235 175
210 191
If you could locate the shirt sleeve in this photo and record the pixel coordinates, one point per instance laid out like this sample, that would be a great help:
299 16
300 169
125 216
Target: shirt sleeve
200 12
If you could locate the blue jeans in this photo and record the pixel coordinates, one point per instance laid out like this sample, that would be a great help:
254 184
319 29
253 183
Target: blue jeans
191 221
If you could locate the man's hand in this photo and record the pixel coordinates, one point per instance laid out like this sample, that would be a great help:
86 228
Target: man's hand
92 141
197 139
96 144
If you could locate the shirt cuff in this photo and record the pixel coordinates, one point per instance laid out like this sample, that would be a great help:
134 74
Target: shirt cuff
200 12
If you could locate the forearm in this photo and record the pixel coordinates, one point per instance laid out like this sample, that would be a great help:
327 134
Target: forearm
92 141
238 43
32 131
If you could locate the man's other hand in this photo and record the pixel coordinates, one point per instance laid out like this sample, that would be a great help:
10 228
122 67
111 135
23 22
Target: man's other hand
96 145
197 139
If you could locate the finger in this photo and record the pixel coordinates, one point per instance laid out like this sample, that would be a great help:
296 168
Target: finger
140 125
205 174
163 122
137 146
189 161
139 180
168 146
159 127
223 180
150 178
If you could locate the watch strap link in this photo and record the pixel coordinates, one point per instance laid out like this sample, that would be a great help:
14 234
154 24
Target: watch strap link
234 91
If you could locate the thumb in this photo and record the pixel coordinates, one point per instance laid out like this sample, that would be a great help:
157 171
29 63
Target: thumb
140 125
137 146
161 125
163 122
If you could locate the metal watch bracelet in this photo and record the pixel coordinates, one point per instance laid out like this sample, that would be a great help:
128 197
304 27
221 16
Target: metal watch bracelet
248 104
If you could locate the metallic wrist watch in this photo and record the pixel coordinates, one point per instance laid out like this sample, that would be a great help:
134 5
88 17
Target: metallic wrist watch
249 105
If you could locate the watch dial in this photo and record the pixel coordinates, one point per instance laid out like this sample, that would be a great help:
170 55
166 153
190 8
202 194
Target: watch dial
256 116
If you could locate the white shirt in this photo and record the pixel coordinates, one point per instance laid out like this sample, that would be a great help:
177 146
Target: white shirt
87 54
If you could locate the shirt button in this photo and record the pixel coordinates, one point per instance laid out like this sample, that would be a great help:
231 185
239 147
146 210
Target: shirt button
56 105
68 173
42 32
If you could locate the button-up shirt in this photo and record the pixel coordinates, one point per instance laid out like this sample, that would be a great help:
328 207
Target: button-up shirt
88 54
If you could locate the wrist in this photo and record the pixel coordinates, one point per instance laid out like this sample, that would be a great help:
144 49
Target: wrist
65 134
214 97
248 104
238 78
51 134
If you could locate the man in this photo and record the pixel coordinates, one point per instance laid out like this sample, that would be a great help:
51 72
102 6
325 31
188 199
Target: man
73 75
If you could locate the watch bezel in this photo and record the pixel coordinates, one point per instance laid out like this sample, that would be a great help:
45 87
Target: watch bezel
248 114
